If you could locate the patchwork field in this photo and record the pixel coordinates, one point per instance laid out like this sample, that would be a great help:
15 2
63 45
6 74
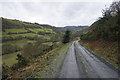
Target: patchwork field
16 34
19 43
15 30
41 30
10 59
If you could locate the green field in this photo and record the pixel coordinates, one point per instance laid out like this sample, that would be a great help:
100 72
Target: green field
51 43
41 30
19 43
48 43
15 30
19 30
23 35
10 59
27 35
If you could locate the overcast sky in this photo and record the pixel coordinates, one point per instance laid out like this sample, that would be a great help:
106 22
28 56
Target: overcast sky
58 13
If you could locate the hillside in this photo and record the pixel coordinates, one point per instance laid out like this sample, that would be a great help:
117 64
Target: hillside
12 29
72 28
103 35
26 45
19 37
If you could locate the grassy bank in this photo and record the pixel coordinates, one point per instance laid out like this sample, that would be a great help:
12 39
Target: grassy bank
52 66
105 49
10 59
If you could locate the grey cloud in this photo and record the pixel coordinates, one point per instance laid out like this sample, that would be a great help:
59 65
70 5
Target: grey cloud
54 13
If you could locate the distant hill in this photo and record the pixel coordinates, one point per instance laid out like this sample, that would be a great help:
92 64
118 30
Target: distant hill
13 23
72 28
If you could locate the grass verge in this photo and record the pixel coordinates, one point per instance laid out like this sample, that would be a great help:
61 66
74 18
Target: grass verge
105 49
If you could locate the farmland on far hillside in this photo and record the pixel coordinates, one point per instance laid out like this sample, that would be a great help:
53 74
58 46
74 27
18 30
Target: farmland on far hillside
17 35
